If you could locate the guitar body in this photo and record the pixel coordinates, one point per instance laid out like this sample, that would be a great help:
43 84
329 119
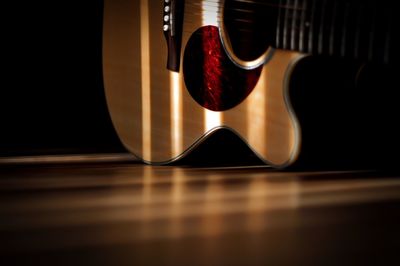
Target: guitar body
153 112
161 115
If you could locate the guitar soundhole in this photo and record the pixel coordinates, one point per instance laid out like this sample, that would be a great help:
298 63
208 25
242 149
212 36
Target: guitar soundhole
210 76
250 26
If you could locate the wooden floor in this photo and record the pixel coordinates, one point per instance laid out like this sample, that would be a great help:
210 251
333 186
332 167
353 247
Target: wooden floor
126 213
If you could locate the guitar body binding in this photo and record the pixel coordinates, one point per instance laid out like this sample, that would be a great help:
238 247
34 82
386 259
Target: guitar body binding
153 108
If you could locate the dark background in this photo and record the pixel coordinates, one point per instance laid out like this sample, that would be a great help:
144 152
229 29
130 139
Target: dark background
52 96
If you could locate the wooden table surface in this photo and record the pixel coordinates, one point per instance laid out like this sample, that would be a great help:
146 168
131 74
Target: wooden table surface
126 213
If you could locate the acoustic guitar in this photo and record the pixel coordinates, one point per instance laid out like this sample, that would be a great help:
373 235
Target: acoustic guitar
176 71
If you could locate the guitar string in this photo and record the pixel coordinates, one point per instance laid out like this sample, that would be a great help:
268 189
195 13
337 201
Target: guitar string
213 7
216 9
217 2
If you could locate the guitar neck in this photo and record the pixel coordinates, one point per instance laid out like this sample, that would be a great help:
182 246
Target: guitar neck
358 29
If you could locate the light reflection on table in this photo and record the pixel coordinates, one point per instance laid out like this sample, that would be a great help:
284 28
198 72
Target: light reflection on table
214 212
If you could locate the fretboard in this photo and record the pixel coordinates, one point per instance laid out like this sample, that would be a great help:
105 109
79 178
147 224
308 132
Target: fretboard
361 29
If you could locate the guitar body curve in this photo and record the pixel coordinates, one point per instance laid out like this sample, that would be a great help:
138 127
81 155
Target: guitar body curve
154 113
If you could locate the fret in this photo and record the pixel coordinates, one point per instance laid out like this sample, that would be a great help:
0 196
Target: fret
278 42
351 25
321 32
293 26
333 27
312 26
364 28
303 26
346 17
308 25
358 32
330 24
372 31
286 34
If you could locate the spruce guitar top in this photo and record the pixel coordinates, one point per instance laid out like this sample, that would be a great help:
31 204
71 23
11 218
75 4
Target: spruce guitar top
175 70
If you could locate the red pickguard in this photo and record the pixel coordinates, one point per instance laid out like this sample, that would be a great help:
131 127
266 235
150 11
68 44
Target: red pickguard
211 78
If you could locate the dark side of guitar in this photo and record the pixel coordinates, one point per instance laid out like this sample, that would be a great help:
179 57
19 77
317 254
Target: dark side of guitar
348 111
